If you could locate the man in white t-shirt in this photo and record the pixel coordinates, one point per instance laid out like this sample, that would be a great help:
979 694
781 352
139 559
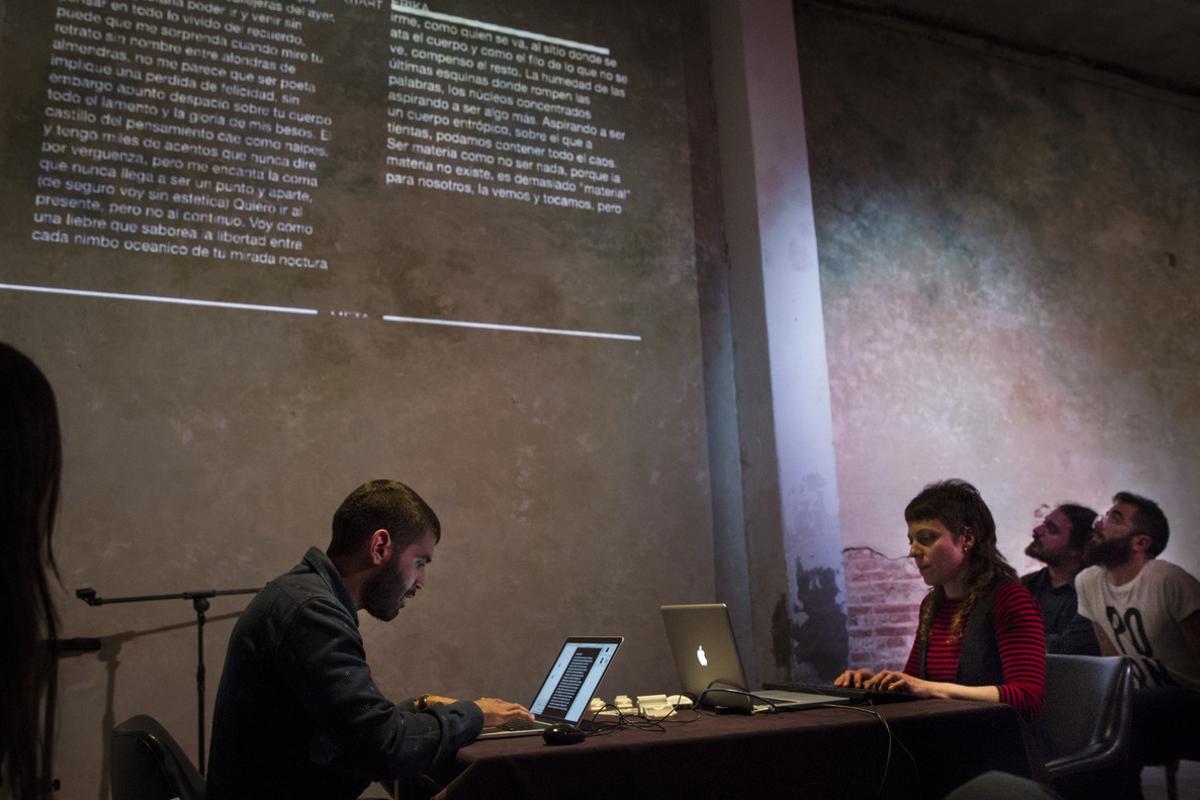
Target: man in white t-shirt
1149 611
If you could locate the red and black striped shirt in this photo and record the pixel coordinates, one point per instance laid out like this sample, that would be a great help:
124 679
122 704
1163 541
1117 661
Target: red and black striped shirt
1017 621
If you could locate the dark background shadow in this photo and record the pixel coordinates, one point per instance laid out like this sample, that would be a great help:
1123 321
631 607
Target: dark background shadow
110 656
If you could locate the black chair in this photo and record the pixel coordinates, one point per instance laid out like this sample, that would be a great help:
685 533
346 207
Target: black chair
146 763
1085 723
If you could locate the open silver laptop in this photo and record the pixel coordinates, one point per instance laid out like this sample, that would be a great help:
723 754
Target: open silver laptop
571 682
706 657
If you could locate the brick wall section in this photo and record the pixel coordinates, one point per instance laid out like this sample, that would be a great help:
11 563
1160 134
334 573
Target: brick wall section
882 599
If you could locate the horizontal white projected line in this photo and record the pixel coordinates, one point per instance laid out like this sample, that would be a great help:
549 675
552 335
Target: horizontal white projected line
151 298
487 26
495 326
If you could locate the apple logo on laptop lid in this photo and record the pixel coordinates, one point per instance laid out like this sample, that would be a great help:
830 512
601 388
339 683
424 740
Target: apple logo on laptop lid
703 659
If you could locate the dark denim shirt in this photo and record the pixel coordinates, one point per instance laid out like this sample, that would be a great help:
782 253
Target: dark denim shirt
297 714
1066 631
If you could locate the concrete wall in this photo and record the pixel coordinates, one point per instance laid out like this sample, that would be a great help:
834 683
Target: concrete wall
208 447
1009 263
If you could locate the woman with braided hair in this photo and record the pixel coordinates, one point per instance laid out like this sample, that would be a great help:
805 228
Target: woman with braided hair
979 634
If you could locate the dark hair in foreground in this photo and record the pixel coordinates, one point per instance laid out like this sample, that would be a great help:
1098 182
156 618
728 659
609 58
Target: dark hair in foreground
30 470
1082 518
959 506
381 504
1148 521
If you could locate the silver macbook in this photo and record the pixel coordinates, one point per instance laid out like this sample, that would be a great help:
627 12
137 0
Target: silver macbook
706 657
572 681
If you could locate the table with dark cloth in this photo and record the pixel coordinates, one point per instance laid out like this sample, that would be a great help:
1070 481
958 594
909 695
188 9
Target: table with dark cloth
819 752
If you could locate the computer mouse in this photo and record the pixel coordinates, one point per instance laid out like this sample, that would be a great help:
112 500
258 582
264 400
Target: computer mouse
563 733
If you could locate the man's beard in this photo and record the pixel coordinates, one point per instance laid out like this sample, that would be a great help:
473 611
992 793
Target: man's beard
383 594
1038 551
1108 552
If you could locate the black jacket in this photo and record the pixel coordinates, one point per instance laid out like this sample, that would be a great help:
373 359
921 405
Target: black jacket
297 714
1066 630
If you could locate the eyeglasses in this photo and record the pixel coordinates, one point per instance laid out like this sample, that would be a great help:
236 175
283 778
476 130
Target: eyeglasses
1112 515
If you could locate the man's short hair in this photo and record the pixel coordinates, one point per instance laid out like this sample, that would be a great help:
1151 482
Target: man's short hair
1082 519
957 505
1148 520
381 504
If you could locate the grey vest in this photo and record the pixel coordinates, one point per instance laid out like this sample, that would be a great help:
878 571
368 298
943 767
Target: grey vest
979 662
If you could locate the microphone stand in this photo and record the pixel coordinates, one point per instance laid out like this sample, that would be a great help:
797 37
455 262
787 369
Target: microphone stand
200 602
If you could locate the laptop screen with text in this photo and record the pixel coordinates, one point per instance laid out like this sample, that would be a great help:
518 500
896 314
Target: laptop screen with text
574 677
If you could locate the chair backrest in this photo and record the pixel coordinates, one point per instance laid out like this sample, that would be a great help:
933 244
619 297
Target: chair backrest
1085 720
147 764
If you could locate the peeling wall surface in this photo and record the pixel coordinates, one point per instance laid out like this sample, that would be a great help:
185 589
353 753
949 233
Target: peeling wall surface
882 620
1010 257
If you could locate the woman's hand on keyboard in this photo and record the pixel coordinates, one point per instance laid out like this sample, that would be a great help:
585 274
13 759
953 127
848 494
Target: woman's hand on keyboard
853 678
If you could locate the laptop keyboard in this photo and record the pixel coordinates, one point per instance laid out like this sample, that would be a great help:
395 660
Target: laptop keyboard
854 695
518 724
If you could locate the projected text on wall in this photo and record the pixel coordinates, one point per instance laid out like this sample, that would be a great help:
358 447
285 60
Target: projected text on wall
200 132
281 152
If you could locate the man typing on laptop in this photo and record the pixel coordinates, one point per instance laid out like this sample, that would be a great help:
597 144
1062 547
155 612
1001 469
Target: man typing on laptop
297 713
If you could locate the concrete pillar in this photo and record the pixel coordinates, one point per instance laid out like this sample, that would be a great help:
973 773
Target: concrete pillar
781 569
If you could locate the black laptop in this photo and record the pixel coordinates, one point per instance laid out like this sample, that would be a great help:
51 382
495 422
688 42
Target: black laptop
571 682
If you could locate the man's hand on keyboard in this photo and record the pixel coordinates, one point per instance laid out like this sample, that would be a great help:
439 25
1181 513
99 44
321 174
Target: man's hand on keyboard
497 712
